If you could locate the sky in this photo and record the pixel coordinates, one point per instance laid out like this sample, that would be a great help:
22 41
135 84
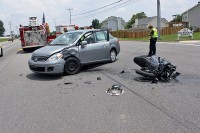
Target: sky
18 12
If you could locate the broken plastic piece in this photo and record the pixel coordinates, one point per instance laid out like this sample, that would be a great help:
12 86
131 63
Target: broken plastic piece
115 90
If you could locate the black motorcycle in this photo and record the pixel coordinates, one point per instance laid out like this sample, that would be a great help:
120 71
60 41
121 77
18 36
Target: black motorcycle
155 68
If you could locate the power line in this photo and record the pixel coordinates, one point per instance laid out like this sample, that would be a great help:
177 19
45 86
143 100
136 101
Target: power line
112 8
98 8
128 2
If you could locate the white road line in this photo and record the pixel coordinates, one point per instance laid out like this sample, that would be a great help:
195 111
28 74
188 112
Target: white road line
186 44
189 41
189 44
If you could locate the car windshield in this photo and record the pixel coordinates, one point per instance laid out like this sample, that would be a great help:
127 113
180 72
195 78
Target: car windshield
66 38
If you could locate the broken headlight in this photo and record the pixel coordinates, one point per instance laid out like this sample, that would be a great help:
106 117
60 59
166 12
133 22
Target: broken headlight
55 57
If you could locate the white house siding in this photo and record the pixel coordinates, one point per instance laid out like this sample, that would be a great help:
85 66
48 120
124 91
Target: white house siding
121 23
154 23
185 17
192 16
113 23
151 21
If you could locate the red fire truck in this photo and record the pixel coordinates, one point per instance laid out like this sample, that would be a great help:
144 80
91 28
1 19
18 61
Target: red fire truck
65 28
35 35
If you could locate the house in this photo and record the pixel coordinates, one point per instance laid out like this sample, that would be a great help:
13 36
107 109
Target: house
192 16
145 22
113 23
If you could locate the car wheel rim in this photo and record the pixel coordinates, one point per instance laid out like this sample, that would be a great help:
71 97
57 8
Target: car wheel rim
72 66
113 56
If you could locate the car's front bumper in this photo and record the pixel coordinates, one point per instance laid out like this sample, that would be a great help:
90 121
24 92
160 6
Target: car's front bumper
54 67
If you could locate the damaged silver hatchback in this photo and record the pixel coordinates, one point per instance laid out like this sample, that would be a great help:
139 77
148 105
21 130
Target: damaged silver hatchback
68 52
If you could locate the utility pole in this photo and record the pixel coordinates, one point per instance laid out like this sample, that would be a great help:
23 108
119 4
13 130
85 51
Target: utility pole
17 31
55 23
10 23
158 18
69 13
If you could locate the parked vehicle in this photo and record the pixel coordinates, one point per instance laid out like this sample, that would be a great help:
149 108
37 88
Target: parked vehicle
68 52
155 68
60 29
34 35
11 39
1 51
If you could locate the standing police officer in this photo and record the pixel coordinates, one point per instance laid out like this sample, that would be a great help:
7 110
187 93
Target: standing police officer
153 38
1 51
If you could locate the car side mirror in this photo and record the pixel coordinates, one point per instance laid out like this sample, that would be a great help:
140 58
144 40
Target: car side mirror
83 43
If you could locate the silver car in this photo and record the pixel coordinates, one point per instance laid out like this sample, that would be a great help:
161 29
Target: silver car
68 52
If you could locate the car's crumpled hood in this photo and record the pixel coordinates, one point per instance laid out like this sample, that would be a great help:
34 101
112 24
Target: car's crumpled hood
48 50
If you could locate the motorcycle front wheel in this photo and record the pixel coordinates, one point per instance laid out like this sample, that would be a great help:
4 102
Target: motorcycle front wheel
145 74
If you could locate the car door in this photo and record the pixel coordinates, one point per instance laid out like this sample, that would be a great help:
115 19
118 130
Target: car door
104 45
96 48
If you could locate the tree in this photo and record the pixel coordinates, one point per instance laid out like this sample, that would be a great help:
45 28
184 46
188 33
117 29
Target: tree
177 18
95 24
132 20
2 29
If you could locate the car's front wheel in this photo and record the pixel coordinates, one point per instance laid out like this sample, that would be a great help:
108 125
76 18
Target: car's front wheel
72 66
113 55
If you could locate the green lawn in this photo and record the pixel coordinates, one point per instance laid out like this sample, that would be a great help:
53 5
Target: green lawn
165 38
3 39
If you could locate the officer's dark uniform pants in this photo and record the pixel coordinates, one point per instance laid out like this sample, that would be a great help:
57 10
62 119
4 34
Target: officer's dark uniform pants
152 46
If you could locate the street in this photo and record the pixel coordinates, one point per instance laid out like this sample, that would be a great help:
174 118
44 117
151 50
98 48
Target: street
35 103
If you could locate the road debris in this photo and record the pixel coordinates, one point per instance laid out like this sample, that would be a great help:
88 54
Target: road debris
88 82
115 90
122 71
68 83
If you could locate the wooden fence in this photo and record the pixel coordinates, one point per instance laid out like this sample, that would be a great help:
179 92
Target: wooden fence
141 34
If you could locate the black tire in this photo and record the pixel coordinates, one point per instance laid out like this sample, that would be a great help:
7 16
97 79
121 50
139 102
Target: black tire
72 66
113 55
1 52
25 49
145 74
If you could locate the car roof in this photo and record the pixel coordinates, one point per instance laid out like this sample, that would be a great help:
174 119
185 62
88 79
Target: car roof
84 31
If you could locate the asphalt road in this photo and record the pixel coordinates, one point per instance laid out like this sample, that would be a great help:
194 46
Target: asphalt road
33 103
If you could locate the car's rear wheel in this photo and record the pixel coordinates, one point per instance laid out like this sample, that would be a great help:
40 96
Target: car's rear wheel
1 52
113 55
72 66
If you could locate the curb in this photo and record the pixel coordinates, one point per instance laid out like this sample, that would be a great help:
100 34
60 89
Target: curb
189 41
